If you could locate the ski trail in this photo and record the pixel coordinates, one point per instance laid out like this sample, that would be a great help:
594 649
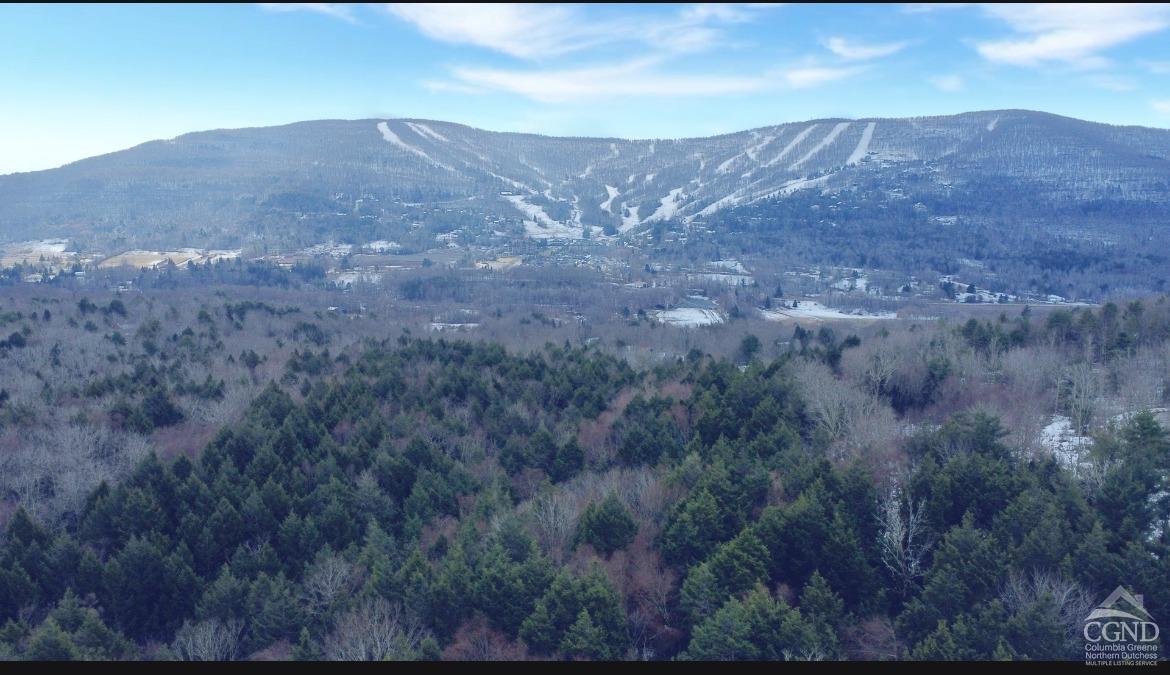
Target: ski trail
794 185
862 145
825 142
629 221
725 165
668 206
427 132
514 183
393 138
754 151
608 204
792 144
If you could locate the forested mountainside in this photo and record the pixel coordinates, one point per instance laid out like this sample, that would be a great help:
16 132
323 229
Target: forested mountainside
422 499
232 187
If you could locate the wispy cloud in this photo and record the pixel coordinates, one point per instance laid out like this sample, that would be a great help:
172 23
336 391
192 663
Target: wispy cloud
1074 34
857 51
811 76
642 77
1116 83
527 31
634 78
332 9
928 7
1161 106
1156 67
543 31
948 83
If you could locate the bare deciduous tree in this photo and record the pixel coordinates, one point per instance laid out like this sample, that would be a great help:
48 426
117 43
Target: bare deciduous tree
555 514
375 630
1071 602
854 419
210 640
328 580
903 538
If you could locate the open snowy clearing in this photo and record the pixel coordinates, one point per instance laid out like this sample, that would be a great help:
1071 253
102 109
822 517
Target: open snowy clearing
806 309
1064 443
687 317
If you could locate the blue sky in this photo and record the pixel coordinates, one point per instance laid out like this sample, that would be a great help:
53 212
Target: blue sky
77 81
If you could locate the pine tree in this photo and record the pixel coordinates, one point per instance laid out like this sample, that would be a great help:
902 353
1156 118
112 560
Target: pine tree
607 526
50 643
584 639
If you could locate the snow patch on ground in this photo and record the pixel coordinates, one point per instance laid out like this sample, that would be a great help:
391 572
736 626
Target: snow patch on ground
807 309
862 145
721 278
825 142
607 204
791 144
688 317
733 265
440 327
427 132
860 283
1064 443
991 125
392 138
349 278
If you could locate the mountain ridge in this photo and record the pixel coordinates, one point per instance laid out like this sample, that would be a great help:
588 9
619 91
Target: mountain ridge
216 186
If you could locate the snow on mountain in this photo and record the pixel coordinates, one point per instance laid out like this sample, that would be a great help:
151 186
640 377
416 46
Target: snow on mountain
218 179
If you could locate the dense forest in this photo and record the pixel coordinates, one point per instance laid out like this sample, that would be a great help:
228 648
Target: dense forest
416 498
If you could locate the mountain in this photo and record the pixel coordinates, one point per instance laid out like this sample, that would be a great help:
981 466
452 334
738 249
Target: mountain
226 186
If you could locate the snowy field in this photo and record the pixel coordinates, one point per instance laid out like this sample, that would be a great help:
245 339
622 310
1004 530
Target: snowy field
687 317
196 256
727 279
806 309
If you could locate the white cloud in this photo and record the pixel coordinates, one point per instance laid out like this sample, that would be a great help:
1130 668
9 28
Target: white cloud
525 31
636 78
948 83
929 7
1069 33
811 76
335 10
539 31
1161 106
855 51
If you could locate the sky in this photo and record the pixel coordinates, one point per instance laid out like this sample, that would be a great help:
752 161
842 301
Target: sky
83 80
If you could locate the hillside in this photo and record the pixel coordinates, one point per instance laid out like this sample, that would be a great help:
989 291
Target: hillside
232 186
